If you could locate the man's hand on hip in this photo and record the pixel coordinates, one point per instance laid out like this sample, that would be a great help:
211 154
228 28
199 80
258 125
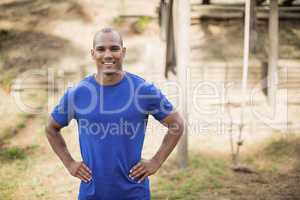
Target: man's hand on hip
143 169
80 170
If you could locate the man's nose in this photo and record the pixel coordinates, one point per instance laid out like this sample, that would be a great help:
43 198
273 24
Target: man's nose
107 53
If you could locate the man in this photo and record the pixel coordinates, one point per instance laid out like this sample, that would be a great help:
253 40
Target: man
111 109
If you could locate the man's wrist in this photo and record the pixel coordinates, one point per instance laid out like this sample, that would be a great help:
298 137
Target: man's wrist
68 162
158 161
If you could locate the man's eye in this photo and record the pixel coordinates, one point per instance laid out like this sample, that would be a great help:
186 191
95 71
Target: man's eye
115 48
100 49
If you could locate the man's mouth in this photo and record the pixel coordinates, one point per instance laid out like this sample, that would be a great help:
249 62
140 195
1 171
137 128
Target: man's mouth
108 63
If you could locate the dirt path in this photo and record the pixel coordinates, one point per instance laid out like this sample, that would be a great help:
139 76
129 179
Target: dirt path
45 176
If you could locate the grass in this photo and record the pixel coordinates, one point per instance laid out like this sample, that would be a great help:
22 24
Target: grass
276 153
210 178
17 119
12 153
202 174
278 149
6 189
9 129
15 162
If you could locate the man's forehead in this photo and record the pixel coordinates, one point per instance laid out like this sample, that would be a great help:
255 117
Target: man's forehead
112 38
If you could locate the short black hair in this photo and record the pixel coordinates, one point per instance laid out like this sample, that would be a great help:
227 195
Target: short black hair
107 30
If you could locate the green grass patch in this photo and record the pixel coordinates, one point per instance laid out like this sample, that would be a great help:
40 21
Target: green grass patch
12 153
280 149
6 189
202 174
275 155
17 153
21 125
10 130
14 163
11 171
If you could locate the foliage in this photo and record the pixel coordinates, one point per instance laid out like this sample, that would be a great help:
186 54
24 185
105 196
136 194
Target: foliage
141 24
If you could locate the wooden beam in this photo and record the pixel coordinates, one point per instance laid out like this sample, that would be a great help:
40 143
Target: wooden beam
224 15
237 12
182 27
258 3
240 8
208 14
273 52
281 15
138 16
287 2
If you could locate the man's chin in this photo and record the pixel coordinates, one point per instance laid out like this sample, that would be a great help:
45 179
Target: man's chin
110 72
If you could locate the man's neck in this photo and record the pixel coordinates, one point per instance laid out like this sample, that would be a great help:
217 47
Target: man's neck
112 79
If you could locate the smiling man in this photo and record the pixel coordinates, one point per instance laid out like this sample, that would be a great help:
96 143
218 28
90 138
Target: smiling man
112 108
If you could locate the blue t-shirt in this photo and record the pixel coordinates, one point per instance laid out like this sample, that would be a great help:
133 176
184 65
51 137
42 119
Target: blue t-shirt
111 122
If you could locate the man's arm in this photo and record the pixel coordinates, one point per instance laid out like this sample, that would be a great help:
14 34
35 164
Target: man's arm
146 168
58 144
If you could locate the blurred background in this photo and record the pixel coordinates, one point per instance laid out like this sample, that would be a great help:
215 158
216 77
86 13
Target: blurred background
45 48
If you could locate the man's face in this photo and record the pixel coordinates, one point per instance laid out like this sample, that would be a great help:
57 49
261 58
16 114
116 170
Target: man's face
108 53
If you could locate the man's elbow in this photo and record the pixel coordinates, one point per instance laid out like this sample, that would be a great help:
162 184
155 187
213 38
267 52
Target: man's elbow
175 124
178 127
181 127
50 131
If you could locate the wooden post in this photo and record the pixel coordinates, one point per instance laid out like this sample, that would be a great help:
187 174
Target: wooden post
244 78
253 32
273 52
163 14
182 27
170 49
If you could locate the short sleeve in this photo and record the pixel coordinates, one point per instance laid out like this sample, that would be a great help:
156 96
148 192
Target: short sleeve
63 113
158 105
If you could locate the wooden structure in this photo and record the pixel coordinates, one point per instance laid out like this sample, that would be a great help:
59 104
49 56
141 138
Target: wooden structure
175 15
251 11
182 26
225 12
273 52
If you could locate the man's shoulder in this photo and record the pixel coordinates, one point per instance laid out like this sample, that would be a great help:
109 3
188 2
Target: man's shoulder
84 83
143 86
136 78
141 82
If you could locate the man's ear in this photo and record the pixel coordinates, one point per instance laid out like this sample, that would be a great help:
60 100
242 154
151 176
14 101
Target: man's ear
124 51
92 52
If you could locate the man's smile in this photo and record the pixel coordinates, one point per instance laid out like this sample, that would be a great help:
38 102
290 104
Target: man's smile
108 62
